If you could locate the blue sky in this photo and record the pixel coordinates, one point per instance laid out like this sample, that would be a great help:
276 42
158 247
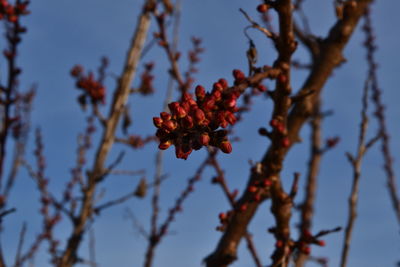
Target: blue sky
63 33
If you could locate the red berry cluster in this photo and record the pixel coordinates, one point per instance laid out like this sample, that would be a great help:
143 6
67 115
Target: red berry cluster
193 124
12 12
92 88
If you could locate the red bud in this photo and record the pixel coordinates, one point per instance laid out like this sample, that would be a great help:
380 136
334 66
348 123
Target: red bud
169 125
200 92
225 147
164 145
262 8
165 116
157 122
238 75
223 82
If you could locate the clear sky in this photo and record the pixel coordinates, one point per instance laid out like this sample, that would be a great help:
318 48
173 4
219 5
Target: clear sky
63 33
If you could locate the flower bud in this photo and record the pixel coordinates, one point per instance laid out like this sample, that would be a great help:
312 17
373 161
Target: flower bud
217 87
230 117
285 142
187 122
169 125
200 92
225 147
204 139
262 88
165 145
223 83
217 95
157 122
165 116
230 102
209 104
262 8
199 116
238 75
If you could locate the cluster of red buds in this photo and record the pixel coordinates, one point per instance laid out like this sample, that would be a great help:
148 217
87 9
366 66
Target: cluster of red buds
224 218
254 188
94 89
146 85
11 12
280 127
193 124
303 245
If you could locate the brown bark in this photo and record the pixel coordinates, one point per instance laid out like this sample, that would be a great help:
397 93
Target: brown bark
329 58
121 95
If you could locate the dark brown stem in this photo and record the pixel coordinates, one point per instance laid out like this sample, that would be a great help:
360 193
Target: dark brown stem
328 59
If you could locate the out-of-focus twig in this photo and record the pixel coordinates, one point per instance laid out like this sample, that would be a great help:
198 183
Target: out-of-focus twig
307 207
69 255
380 114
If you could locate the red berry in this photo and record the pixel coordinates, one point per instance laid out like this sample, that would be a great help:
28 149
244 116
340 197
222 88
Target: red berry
321 243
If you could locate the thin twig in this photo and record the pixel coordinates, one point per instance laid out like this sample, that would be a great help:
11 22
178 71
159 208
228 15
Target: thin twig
257 26
160 154
380 114
17 262
307 207
69 255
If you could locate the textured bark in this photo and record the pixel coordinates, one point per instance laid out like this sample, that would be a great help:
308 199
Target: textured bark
330 56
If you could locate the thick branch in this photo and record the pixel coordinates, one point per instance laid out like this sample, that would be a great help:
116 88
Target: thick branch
329 58
120 98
